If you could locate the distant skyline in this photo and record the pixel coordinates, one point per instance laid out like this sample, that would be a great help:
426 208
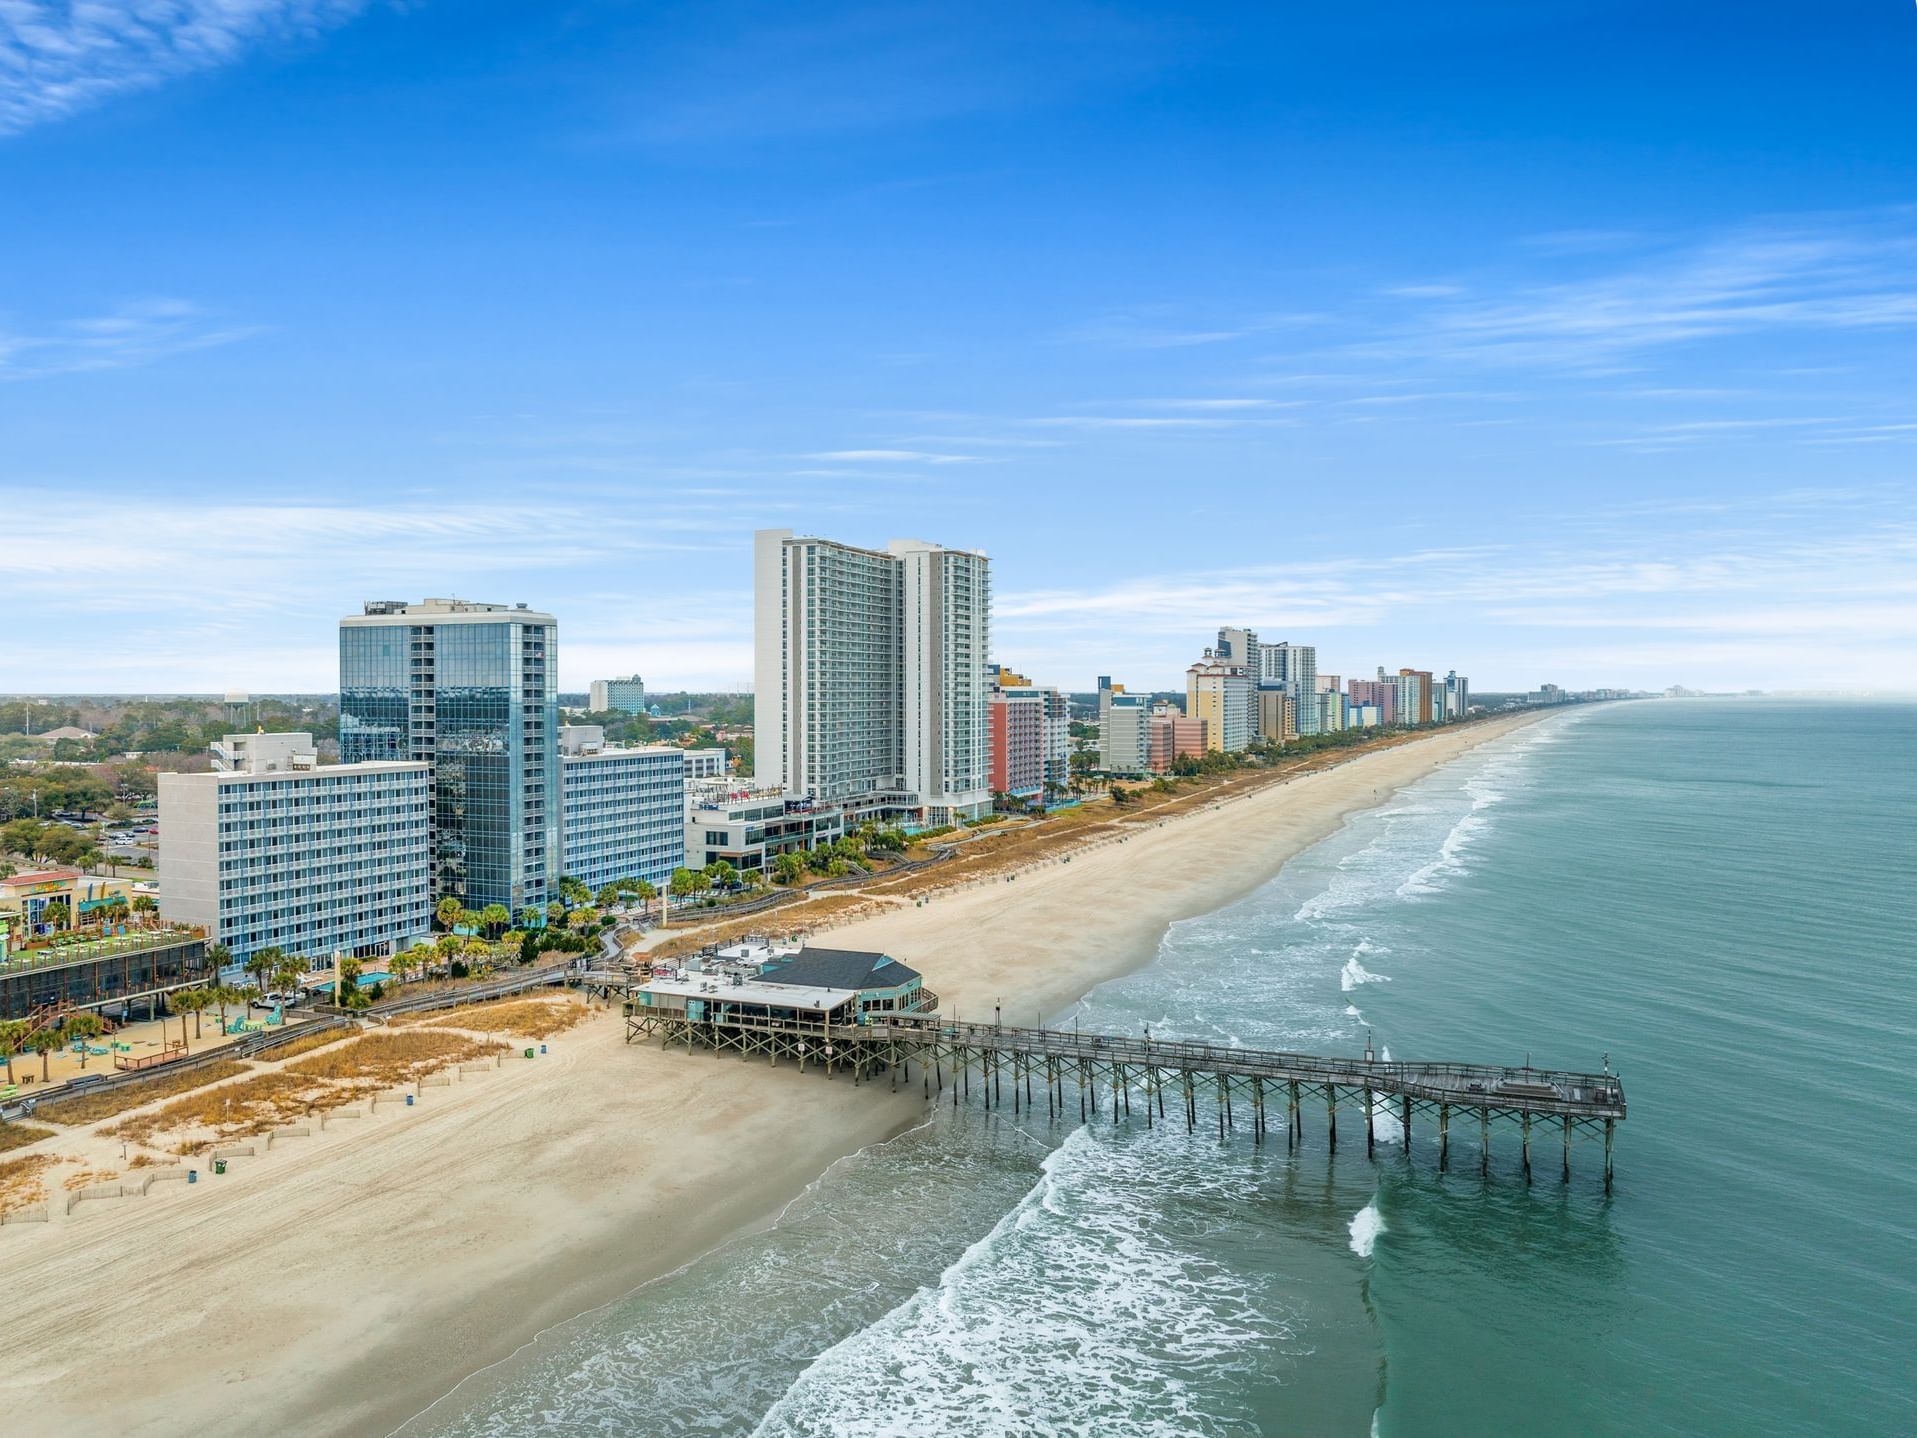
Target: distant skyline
1563 343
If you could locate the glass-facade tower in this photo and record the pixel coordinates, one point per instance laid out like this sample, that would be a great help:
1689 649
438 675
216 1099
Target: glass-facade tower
472 689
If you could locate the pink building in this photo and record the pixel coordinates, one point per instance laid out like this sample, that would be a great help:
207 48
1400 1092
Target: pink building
1381 692
1170 736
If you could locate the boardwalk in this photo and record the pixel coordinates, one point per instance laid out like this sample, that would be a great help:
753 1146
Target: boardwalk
1248 1086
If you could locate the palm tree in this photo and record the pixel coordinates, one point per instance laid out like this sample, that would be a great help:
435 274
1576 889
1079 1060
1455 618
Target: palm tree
573 891
13 1038
409 961
192 1001
44 1042
288 972
224 994
531 917
494 917
219 956
83 1027
448 911
144 906
607 896
262 962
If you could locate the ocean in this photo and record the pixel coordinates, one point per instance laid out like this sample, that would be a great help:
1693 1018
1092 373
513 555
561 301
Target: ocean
1720 897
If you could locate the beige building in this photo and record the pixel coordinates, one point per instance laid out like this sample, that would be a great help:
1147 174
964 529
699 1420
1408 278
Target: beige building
1221 694
1277 718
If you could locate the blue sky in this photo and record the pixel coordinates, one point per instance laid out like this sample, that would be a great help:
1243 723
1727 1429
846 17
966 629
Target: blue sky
1567 342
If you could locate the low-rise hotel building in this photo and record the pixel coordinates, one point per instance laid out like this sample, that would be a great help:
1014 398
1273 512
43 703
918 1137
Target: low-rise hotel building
749 825
274 849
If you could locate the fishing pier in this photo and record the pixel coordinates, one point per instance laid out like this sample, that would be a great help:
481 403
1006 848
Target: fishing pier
865 1032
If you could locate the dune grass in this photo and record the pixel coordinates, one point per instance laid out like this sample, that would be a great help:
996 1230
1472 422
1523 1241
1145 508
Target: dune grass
394 1056
19 1135
305 1044
527 1018
20 1180
92 1107
242 1110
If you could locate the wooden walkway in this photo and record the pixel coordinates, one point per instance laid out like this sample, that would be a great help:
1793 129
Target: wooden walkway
1248 1086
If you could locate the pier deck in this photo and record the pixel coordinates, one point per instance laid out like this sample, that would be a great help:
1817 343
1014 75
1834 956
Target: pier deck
1120 1066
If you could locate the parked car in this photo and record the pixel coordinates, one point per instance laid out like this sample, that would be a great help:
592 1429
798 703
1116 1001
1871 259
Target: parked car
276 1000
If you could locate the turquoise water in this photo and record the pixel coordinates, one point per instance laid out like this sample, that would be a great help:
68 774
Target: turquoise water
1718 895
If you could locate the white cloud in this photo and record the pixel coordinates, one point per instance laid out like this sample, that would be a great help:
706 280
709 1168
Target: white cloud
59 58
134 334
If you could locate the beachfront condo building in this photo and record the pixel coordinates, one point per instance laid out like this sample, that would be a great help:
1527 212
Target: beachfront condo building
1291 669
869 675
1415 696
1294 669
1124 737
1171 736
1223 695
1277 723
274 849
1030 733
1457 695
1380 694
470 689
617 696
623 810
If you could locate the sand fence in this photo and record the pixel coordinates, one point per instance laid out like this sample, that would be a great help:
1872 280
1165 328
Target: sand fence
124 1188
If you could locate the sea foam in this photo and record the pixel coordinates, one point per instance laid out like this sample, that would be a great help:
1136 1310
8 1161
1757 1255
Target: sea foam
1365 1227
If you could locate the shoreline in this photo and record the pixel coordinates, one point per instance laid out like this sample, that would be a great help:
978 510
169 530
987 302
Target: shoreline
357 1283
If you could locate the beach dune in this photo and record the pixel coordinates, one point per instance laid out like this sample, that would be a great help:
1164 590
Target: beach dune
343 1282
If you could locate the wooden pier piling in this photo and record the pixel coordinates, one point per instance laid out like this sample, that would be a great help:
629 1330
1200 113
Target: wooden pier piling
892 1042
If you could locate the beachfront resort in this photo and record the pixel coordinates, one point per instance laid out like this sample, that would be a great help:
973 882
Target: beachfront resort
465 826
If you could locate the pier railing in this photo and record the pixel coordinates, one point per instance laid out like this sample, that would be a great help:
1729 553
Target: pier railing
1538 1090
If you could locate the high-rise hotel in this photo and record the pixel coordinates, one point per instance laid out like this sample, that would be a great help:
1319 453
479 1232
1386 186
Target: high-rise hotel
472 690
870 675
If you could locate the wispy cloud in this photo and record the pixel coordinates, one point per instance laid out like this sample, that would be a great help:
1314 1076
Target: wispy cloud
1832 589
134 334
58 57
1128 421
892 456
1165 327
252 620
1848 272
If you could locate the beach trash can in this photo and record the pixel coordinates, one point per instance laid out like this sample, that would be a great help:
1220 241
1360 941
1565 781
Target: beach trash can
219 1165
192 1175
409 1100
529 1053
542 1048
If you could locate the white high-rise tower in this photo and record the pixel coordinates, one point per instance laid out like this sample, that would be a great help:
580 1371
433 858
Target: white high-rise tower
869 674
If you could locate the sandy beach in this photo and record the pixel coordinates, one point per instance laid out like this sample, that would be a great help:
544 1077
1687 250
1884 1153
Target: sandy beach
341 1282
